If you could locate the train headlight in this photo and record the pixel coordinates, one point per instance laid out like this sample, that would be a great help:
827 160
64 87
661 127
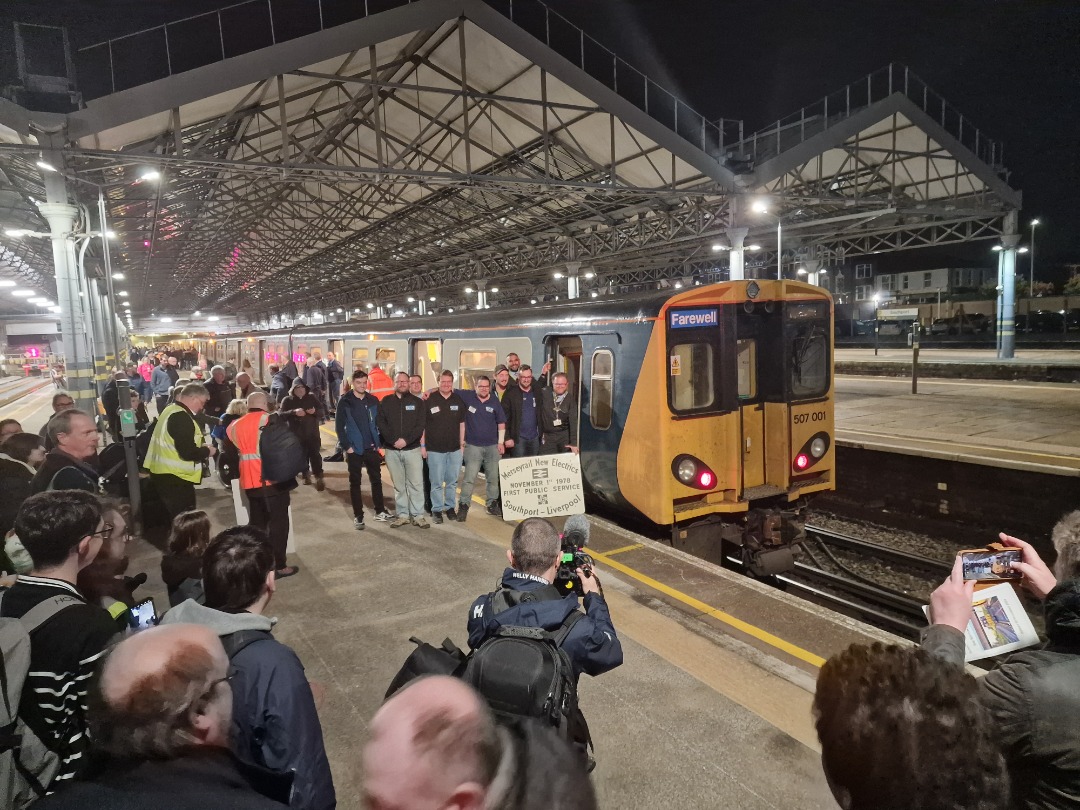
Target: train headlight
686 471
693 472
811 453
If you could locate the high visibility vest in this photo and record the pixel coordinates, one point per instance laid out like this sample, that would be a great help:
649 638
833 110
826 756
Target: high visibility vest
244 433
380 384
162 458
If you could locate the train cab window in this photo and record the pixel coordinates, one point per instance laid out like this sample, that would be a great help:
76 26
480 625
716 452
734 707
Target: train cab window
473 363
692 383
807 336
360 359
600 395
746 367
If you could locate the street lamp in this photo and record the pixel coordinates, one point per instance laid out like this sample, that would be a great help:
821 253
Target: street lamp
1031 283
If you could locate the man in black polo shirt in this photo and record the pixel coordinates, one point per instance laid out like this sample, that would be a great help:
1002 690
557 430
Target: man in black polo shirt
444 438
63 531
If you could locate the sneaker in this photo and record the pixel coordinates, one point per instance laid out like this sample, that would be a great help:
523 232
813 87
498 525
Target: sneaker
450 514
494 509
436 518
401 520
420 523
307 479
383 516
358 523
320 485
462 512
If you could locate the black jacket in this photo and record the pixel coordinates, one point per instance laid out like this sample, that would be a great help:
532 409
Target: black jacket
335 373
110 399
202 779
306 426
566 432
16 482
65 472
514 404
592 645
1033 698
221 395
315 378
401 418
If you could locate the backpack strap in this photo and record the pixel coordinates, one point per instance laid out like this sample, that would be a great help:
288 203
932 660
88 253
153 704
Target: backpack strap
241 639
505 598
45 610
568 624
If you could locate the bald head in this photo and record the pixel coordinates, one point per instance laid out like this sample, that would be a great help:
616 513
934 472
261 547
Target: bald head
257 399
433 744
161 691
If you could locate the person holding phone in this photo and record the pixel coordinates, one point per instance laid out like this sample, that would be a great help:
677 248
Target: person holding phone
301 409
1031 695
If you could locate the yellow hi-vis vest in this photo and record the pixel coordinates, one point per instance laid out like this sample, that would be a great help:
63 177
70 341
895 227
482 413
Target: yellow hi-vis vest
162 458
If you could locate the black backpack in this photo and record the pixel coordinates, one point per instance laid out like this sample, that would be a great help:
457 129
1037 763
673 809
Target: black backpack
281 452
524 671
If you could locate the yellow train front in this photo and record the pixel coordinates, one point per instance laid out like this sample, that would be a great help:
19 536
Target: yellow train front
730 425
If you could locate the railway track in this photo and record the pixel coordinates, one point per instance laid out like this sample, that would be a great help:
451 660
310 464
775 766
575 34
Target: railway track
830 580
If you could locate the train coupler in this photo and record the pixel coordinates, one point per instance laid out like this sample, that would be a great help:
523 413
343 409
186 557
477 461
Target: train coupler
769 539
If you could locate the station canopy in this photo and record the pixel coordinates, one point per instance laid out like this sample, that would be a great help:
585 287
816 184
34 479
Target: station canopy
314 163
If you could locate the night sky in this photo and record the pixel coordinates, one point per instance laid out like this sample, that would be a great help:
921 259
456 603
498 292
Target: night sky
1010 66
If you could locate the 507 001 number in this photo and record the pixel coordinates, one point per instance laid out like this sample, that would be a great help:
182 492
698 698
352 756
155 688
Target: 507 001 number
815 416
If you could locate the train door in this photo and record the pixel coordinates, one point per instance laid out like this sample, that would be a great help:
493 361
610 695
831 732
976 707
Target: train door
564 353
427 361
756 347
338 348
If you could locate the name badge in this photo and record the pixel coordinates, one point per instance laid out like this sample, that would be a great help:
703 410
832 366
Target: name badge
435 409
472 409
489 409
557 422
410 407
453 407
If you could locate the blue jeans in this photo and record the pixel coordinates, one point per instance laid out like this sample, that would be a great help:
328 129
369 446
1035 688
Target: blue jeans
407 471
443 468
475 457
525 448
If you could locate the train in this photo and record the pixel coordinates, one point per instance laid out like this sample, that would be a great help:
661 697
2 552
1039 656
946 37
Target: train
707 411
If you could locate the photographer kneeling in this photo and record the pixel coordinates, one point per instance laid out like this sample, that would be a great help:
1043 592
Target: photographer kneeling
527 598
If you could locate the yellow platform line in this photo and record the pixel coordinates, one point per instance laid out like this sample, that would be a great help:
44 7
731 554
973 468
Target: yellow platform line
719 615
633 547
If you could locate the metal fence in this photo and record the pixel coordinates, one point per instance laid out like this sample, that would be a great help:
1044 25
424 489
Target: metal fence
817 117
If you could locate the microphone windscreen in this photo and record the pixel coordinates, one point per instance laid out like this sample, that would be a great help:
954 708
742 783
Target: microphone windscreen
579 525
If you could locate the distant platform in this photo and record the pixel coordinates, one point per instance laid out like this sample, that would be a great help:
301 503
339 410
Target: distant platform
1038 365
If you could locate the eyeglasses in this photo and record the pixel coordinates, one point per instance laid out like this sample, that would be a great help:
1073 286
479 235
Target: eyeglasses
105 532
214 684
69 404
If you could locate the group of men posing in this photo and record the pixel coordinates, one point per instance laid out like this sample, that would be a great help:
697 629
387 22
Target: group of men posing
426 436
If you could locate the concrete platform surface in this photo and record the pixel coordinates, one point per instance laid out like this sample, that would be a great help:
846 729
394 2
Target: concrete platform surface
1021 425
1036 365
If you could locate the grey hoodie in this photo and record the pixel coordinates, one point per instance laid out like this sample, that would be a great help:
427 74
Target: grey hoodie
191 612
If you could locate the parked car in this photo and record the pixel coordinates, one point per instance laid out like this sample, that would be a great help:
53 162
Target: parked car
959 325
1044 321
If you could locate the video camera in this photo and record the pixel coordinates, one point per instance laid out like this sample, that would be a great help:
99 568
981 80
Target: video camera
575 537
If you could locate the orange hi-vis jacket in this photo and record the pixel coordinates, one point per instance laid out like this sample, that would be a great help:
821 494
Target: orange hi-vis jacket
244 433
379 383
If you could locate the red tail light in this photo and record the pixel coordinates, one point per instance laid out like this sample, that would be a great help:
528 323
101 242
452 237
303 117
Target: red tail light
693 472
802 461
706 480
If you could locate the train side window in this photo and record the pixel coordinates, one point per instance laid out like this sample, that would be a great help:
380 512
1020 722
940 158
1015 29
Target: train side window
746 354
603 365
360 358
387 360
473 363
692 384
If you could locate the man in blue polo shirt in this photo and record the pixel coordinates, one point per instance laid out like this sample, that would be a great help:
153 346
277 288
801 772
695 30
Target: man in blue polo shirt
485 431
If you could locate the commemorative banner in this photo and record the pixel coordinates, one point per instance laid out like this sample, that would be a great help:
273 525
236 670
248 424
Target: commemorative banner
542 486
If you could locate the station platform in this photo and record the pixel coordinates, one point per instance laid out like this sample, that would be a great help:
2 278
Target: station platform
711 708
1037 365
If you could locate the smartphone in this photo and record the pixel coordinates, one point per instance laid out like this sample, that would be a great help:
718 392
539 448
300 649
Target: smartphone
144 614
986 564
